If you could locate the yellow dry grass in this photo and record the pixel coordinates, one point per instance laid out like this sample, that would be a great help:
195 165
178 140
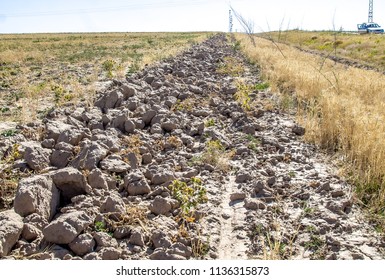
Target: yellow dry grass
368 49
342 108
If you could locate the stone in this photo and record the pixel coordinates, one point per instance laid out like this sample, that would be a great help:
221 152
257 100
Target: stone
148 116
122 232
90 156
325 187
37 158
48 143
59 252
170 101
169 126
66 227
249 129
110 100
128 91
113 204
37 194
243 177
160 206
129 126
60 158
120 121
195 89
82 244
11 227
97 180
114 164
137 237
71 136
55 128
201 112
237 196
180 249
36 220
160 239
156 129
110 253
30 232
162 177
254 204
133 160
71 182
230 89
271 181
103 239
92 256
337 193
160 254
136 184
149 79
298 130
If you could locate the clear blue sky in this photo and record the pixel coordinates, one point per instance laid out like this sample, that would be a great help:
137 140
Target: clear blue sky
26 16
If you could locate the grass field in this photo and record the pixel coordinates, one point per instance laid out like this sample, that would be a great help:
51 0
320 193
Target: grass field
342 108
368 49
40 71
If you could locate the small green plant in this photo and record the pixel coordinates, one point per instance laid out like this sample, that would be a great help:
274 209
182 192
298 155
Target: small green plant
9 133
261 86
189 195
108 66
254 143
200 247
58 91
317 246
185 105
14 154
68 97
210 123
291 174
103 227
242 96
236 45
100 227
308 211
269 243
214 150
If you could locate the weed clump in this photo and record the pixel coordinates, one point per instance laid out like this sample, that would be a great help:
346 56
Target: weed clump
189 195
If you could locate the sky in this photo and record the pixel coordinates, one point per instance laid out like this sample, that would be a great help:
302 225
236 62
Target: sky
40 16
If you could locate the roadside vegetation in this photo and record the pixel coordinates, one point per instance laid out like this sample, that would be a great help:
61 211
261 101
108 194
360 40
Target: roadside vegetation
367 49
41 71
341 107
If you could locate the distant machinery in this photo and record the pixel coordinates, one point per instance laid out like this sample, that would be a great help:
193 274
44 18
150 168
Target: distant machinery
370 26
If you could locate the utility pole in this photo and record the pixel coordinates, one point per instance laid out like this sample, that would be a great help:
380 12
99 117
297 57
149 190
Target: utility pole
370 17
230 22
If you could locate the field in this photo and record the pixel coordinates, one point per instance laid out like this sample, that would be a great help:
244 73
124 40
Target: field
341 107
366 49
41 71
232 149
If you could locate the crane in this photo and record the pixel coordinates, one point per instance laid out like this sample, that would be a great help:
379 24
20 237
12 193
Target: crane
370 26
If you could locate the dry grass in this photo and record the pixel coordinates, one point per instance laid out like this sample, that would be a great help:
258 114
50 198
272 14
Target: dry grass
342 109
368 49
40 71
